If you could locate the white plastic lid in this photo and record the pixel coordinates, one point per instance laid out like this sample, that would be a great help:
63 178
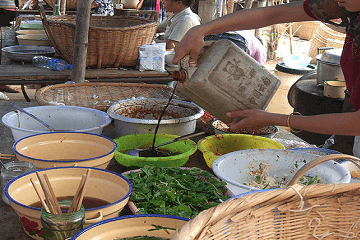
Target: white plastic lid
331 56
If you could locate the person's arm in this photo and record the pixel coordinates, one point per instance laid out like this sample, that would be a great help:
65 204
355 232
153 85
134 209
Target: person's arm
334 123
245 19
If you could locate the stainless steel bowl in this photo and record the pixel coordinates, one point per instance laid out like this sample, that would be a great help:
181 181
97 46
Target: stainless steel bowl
25 53
141 115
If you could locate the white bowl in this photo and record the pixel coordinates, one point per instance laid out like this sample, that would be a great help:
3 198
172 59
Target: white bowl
235 168
297 61
141 115
64 118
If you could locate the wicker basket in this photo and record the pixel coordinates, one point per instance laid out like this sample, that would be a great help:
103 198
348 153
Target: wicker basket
297 212
317 42
70 4
327 32
99 95
305 30
113 41
334 43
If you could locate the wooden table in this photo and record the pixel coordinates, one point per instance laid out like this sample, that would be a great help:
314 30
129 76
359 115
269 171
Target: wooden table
19 73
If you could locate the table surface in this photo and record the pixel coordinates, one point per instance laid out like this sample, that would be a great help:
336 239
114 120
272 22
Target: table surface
17 73
10 227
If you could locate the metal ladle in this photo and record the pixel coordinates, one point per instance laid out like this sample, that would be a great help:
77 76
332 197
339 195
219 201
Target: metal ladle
37 119
136 151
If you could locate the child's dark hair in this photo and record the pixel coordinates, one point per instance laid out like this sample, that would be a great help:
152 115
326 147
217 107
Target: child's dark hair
188 3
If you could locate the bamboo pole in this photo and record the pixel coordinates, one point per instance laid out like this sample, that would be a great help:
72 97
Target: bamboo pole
81 40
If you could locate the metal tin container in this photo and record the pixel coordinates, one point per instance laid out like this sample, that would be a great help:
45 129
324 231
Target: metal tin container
328 66
334 89
226 79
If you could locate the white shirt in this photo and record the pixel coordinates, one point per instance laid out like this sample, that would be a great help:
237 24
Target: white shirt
175 26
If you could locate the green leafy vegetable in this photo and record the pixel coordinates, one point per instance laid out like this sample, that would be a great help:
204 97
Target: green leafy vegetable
175 191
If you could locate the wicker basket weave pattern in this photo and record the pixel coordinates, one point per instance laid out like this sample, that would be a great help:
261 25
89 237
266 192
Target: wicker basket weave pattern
113 41
99 95
319 211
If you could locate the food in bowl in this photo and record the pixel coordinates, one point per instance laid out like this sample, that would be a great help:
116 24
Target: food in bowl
141 116
102 184
154 226
183 192
263 180
236 168
223 128
184 150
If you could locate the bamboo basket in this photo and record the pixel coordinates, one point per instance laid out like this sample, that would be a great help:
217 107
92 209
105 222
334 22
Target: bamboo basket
305 30
70 4
334 43
317 42
327 33
113 41
99 95
297 212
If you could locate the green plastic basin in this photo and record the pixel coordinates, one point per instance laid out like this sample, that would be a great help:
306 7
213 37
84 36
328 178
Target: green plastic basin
185 148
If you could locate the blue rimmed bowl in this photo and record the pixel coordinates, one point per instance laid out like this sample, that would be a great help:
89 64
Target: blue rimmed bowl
60 149
152 225
111 189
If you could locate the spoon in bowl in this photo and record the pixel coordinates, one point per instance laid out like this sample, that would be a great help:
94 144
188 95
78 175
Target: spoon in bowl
136 151
37 119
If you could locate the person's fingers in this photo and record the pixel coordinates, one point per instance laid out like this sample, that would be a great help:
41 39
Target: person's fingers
235 114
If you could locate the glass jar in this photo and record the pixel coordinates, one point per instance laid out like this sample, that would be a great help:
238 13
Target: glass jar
12 170
62 226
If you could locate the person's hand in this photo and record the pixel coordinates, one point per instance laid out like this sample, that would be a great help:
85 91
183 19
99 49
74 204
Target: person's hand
250 120
191 44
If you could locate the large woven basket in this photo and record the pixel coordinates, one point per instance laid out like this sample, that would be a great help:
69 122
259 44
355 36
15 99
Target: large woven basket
320 211
99 95
305 30
113 41
317 42
70 4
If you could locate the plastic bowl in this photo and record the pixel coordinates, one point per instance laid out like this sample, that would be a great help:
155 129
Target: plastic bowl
133 226
235 168
102 184
216 145
64 118
297 61
48 150
185 148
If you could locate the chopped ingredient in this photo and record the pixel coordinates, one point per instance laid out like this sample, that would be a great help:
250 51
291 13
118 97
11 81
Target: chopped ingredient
262 180
183 192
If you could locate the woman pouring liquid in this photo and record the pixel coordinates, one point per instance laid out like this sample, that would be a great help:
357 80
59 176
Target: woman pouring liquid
324 10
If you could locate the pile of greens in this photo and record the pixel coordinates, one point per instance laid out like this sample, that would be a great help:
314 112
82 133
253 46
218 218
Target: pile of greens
175 191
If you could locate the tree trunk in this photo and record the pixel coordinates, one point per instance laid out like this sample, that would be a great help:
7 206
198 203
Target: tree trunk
81 40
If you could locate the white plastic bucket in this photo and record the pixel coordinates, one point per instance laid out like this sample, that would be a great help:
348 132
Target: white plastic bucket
235 167
63 118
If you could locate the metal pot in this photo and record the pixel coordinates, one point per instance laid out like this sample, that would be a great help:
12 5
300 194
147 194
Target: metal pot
334 89
328 66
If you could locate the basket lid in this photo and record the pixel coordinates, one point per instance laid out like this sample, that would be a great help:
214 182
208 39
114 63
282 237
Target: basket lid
100 95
